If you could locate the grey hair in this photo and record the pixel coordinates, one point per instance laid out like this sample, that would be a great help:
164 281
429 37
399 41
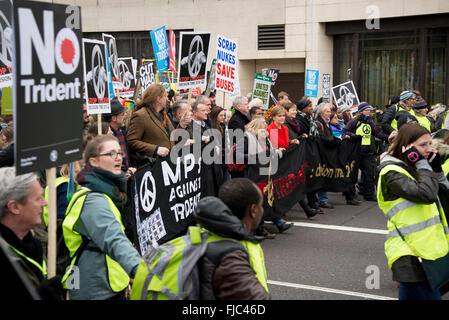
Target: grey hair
178 105
201 99
13 187
321 107
239 100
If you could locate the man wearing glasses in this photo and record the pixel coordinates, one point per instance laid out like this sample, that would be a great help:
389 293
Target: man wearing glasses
406 102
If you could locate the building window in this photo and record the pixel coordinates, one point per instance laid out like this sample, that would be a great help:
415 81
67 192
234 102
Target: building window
385 64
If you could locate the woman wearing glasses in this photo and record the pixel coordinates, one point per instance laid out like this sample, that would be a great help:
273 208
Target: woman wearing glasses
93 229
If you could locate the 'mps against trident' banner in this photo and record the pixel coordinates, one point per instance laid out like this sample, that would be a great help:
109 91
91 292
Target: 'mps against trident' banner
48 77
306 168
162 198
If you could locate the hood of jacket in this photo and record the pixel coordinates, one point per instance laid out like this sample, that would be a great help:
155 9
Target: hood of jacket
214 215
386 159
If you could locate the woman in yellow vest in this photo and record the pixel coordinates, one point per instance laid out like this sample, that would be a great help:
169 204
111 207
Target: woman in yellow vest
420 109
409 180
93 219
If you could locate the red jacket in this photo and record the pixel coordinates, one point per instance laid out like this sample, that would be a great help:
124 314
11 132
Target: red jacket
282 140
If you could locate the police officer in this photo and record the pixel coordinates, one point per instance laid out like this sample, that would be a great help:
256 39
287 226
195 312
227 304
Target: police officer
363 126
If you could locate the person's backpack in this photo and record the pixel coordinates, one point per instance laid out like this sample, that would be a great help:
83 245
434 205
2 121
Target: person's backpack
170 271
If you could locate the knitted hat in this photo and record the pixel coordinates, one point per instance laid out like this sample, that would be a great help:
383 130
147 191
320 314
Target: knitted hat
301 104
403 117
420 103
363 106
344 108
405 95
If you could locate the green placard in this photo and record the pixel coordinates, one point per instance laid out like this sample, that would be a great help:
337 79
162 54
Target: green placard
262 89
7 108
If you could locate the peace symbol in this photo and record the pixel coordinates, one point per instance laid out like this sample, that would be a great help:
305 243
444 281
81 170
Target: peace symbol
366 129
413 156
147 192
196 56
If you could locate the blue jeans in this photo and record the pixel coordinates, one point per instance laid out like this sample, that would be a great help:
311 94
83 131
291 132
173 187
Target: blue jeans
417 291
322 197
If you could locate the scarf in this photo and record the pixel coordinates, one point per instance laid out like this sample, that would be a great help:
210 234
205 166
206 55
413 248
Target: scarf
162 116
293 124
103 181
313 131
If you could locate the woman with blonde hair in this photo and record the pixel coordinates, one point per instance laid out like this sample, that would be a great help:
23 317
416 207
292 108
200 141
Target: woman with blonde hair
150 127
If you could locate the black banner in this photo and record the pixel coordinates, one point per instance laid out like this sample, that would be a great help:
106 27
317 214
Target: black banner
307 167
162 198
48 80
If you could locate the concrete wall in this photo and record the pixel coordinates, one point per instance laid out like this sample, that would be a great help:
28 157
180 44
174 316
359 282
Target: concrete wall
306 45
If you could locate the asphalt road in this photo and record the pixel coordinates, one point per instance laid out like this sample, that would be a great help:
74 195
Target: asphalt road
335 256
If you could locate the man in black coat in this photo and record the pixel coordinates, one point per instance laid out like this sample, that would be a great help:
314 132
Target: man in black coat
239 119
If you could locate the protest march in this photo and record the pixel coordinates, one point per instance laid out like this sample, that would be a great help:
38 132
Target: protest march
165 176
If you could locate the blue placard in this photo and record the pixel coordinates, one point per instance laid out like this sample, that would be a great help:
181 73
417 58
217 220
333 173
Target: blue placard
311 89
161 48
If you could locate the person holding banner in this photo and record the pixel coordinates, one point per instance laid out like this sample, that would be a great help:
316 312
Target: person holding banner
409 181
109 258
21 203
150 127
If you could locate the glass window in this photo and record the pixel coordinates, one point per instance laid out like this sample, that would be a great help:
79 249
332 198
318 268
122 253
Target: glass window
435 82
388 65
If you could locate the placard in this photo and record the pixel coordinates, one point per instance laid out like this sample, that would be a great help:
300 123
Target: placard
96 77
48 79
161 48
345 95
126 73
311 89
226 73
262 89
193 52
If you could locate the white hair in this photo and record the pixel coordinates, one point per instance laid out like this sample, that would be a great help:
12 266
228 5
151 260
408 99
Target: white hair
321 106
255 102
13 187
239 100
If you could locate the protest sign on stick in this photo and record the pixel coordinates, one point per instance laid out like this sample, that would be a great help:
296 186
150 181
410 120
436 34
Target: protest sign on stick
345 95
48 80
193 52
96 79
262 89
161 48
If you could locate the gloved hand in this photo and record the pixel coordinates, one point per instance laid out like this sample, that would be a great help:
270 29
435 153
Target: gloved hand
412 154
435 162
51 289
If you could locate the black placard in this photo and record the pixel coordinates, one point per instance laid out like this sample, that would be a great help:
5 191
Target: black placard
48 84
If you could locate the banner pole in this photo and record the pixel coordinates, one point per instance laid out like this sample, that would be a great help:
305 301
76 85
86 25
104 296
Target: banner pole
51 246
224 99
190 96
99 124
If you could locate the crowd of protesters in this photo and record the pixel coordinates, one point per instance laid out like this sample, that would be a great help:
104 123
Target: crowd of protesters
129 139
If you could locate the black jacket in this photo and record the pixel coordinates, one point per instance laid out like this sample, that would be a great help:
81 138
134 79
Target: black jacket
225 270
238 121
7 156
